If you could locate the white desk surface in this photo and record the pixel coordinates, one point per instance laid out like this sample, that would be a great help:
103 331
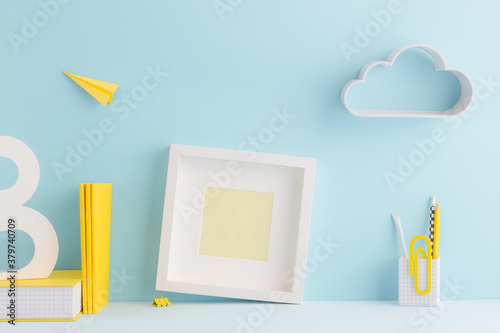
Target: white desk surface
247 317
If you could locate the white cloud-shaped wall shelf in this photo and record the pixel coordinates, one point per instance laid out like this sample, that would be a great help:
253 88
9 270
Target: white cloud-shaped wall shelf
463 104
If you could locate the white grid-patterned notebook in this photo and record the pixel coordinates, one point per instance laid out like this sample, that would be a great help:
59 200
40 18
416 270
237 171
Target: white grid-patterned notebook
407 293
43 302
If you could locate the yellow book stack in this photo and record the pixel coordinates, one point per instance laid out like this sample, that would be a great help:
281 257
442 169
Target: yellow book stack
95 231
56 298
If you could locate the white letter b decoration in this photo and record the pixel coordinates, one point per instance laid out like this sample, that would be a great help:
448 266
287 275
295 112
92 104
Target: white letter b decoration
36 225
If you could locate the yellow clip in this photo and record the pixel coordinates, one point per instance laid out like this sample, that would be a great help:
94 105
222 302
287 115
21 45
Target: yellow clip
414 263
161 301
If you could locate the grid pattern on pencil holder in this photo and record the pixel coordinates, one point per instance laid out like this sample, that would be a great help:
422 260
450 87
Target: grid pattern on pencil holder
43 302
407 293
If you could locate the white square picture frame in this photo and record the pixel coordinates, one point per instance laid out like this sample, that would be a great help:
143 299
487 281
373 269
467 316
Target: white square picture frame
181 267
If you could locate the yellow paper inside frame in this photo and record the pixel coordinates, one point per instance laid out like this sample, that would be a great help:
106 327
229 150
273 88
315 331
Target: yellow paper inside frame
414 263
236 224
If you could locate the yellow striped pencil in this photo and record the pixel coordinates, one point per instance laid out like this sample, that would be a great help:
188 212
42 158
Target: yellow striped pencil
437 215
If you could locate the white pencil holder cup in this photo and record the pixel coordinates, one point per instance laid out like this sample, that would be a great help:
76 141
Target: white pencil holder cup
408 295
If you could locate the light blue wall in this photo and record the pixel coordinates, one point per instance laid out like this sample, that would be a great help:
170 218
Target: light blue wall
226 78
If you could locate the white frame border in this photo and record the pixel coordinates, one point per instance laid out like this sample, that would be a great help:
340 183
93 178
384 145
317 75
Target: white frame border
178 151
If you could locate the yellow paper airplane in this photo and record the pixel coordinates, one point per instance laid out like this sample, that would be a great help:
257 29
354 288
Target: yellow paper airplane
100 90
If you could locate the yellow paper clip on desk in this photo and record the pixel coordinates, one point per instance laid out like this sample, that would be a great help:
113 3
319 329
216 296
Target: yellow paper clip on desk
161 301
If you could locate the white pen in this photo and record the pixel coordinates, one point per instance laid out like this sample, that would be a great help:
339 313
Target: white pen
397 222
